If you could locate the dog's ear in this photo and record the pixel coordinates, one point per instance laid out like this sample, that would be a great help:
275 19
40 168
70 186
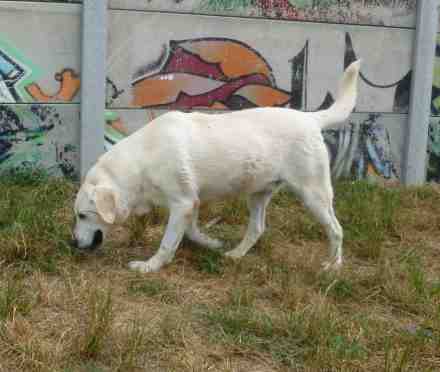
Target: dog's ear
109 204
105 202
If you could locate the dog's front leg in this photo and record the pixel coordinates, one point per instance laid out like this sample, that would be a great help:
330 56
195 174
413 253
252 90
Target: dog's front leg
180 218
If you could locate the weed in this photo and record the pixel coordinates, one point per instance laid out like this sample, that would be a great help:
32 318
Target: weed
234 211
338 288
153 288
367 213
97 323
209 262
241 326
148 287
137 227
242 297
34 224
14 299
347 349
397 360
24 177
134 346
417 278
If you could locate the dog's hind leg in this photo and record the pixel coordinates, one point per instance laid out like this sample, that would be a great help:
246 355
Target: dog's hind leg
319 200
257 204
178 222
193 233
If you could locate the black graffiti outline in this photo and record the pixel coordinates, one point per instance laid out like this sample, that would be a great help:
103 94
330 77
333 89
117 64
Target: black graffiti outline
10 83
350 56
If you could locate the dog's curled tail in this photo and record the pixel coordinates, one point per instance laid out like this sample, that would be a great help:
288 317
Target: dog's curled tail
345 99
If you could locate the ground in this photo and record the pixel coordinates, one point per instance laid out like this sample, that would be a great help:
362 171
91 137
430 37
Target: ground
275 310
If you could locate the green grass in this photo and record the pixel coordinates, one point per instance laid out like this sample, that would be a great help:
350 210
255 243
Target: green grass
367 214
34 219
98 319
154 288
273 310
14 299
209 262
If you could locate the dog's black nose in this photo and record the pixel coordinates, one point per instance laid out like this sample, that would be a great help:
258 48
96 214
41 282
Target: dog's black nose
98 237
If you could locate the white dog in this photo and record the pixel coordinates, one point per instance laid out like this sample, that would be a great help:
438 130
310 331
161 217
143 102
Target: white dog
181 159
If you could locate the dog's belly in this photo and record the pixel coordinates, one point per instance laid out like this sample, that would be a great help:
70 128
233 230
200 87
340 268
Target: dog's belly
247 177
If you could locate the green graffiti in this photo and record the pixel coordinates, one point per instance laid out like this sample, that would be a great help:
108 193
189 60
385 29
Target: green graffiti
19 71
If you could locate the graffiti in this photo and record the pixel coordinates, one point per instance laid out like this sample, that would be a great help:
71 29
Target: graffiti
387 13
112 92
435 98
228 74
433 171
220 73
213 73
33 135
15 73
115 130
69 87
361 150
401 95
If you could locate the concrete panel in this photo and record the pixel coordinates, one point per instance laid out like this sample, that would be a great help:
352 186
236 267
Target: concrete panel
39 52
368 147
183 61
396 13
40 136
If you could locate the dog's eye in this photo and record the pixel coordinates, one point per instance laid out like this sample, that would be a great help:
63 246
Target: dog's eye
82 216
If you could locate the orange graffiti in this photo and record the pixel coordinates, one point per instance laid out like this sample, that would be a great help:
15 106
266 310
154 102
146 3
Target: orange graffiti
165 88
118 126
234 59
263 95
69 87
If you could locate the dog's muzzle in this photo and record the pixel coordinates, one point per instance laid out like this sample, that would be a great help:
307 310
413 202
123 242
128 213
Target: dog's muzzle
98 238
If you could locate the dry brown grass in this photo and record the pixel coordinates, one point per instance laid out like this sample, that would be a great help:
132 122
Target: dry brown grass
273 311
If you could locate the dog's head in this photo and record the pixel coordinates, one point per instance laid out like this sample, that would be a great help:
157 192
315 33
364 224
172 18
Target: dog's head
97 208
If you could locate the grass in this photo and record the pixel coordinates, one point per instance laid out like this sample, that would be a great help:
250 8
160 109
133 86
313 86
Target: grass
30 232
97 323
275 310
13 299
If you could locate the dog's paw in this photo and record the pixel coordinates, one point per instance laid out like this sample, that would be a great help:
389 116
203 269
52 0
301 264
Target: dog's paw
234 254
143 266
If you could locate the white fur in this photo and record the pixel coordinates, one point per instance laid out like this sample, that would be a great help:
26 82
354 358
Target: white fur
182 159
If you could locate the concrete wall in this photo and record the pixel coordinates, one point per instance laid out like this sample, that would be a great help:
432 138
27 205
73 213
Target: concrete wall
213 55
